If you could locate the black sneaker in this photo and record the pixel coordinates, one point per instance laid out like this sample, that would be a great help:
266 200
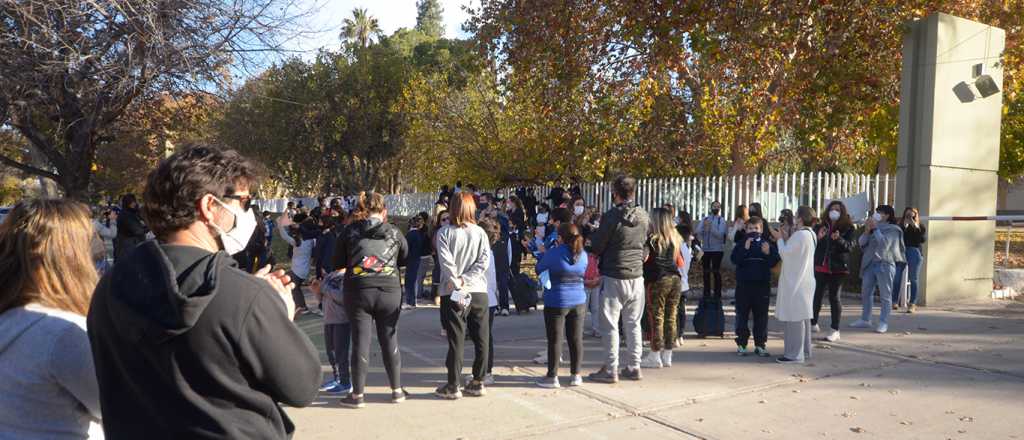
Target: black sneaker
631 374
448 392
399 395
476 389
786 360
604 375
351 401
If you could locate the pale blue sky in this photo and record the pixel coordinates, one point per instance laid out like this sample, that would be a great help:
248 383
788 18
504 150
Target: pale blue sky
392 14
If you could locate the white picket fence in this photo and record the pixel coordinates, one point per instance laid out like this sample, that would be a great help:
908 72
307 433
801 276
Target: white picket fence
695 194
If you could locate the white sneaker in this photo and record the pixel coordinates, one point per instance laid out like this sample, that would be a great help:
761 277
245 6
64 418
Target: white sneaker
576 381
860 323
679 341
542 359
833 336
488 379
666 358
652 360
816 328
882 328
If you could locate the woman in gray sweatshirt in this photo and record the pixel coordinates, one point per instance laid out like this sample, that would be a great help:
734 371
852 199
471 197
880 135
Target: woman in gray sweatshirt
47 379
882 247
463 252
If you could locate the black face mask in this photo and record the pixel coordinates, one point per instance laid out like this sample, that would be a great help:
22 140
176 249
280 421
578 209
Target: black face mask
484 206
715 211
755 236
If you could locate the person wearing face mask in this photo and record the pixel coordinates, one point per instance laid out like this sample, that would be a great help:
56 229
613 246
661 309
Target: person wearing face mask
518 229
793 305
753 211
542 214
831 263
711 231
236 354
578 208
883 248
441 219
914 235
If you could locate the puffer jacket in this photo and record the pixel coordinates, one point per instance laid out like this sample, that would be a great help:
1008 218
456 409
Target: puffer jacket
619 241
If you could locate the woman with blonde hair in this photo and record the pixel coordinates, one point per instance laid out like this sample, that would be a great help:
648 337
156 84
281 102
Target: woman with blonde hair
47 378
664 282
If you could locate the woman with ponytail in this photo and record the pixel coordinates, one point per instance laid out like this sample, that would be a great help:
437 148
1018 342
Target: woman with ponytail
369 251
565 302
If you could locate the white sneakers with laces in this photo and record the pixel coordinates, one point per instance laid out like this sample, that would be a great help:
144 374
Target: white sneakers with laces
651 360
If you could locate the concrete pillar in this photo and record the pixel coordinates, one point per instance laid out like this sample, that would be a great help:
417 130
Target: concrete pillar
949 150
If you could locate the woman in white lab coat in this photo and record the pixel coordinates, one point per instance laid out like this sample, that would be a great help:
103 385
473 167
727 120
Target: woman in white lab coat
796 286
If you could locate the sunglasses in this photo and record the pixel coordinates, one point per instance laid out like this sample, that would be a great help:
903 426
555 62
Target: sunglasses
247 201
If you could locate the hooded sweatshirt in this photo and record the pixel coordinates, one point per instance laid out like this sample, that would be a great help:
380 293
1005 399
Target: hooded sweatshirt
186 345
371 251
47 381
619 241
883 245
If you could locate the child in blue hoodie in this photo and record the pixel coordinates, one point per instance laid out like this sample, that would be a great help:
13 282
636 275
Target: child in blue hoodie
754 258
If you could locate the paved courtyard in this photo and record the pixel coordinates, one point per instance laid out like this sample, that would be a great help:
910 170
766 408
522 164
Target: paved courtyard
938 374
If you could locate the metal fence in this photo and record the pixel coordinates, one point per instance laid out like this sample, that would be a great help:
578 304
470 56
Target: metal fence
695 194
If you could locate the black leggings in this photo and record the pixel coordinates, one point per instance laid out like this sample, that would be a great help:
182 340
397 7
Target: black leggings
456 324
833 281
559 323
712 264
297 296
365 307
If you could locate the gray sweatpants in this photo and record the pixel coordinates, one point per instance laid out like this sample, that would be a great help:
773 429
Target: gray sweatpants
797 339
623 298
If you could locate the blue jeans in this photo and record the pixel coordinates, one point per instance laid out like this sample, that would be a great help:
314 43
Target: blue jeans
877 275
413 283
914 259
337 341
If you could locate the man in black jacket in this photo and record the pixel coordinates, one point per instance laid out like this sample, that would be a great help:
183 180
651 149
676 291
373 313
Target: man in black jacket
130 228
185 344
619 243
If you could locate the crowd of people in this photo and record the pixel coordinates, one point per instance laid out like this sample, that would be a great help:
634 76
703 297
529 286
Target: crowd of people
164 317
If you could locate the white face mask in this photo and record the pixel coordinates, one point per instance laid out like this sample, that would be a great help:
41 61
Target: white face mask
235 240
578 210
542 218
877 217
834 215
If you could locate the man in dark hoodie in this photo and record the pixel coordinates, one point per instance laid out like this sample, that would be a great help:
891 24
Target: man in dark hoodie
185 344
619 241
130 229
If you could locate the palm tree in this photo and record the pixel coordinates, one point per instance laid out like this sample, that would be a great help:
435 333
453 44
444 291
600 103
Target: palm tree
361 28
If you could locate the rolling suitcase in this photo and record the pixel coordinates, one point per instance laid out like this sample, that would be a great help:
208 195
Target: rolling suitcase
709 320
524 293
